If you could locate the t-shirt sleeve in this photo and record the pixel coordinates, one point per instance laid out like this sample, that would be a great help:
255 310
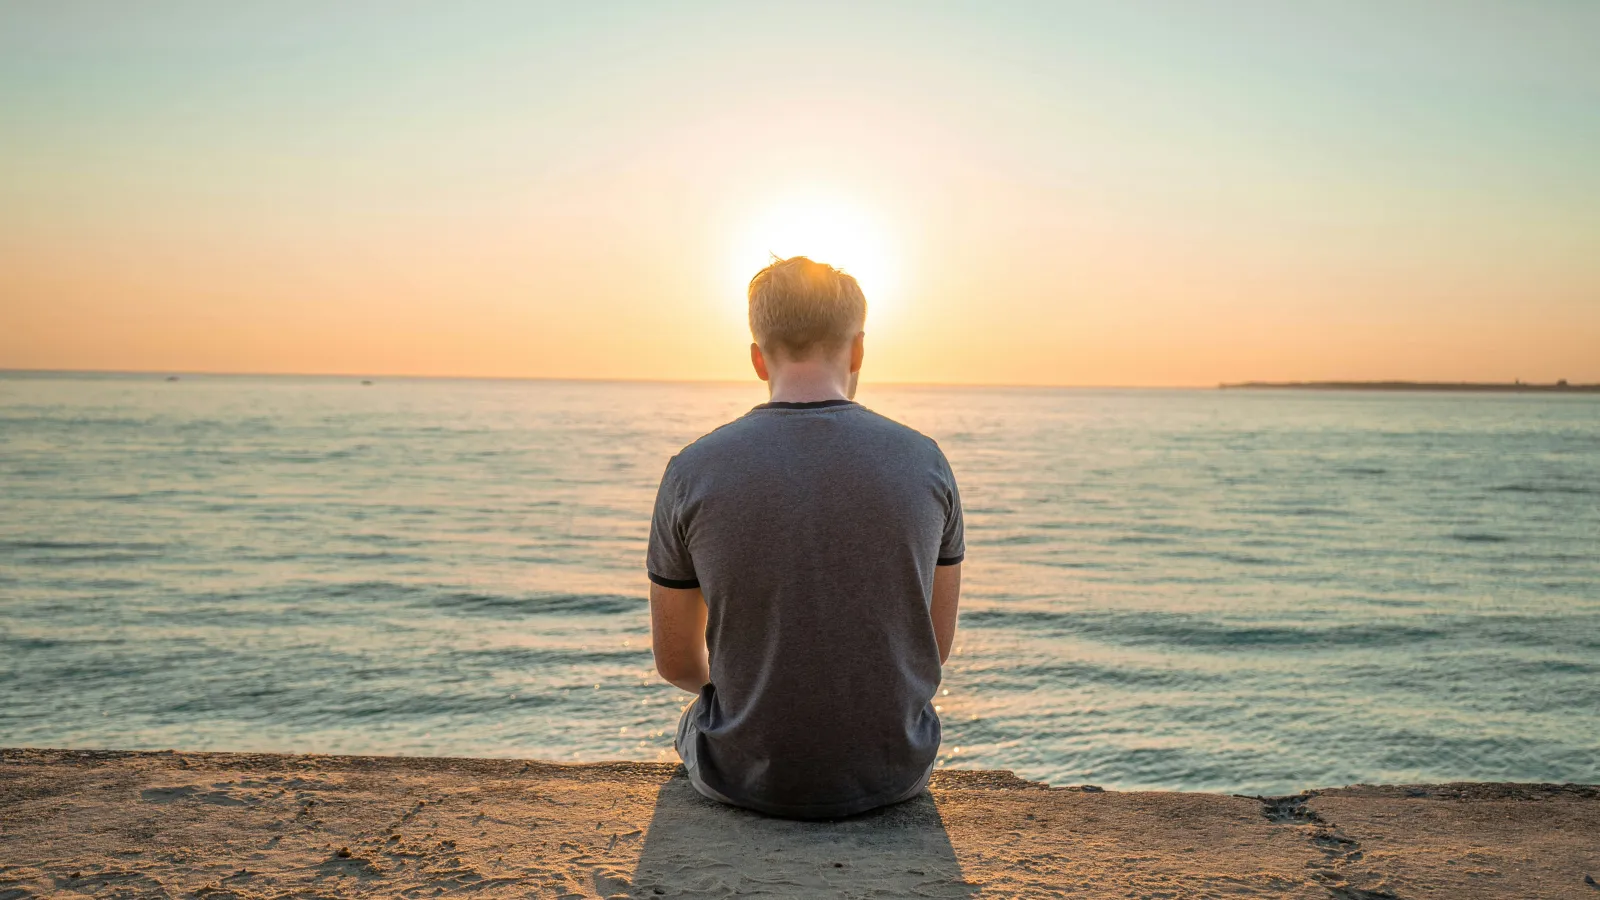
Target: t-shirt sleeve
667 559
953 544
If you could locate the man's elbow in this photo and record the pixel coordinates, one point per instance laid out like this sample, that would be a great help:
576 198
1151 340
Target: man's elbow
668 670
673 670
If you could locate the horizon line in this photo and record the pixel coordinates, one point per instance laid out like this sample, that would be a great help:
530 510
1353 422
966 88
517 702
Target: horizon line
6 370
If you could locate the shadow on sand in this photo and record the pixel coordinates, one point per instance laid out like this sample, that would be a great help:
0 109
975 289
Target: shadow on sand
700 848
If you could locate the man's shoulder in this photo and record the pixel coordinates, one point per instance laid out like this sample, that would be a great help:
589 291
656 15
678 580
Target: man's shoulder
717 440
897 430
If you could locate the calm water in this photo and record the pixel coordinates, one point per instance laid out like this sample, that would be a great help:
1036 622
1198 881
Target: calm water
1186 589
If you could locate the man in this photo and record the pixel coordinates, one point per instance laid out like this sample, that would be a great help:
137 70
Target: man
805 567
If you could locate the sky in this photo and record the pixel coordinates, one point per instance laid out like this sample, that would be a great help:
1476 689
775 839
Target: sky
1131 193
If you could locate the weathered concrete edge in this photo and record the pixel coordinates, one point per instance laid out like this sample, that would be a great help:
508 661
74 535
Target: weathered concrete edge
623 770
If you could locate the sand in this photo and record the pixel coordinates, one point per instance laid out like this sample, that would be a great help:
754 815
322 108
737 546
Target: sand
219 826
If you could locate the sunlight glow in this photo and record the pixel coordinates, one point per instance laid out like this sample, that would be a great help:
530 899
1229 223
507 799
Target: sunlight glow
827 229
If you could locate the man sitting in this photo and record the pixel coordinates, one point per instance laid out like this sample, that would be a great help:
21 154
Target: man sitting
805 568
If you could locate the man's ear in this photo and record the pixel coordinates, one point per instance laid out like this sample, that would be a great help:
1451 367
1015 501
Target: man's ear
759 361
858 350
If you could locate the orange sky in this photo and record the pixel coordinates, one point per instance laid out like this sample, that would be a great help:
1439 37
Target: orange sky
1068 194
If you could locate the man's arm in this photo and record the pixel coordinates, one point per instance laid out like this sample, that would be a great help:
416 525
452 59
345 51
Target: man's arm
678 635
946 598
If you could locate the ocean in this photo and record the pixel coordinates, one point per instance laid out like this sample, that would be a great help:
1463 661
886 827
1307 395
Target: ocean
1241 591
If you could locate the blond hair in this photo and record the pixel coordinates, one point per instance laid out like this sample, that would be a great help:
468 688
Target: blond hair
799 306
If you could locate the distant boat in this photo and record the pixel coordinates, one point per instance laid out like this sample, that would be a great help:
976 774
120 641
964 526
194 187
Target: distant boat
364 381
172 378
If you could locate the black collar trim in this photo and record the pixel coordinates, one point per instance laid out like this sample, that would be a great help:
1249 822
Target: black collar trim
810 404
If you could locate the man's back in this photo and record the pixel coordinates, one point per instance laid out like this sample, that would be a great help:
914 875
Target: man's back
813 530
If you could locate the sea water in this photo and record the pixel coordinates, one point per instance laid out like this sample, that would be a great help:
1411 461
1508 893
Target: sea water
1199 589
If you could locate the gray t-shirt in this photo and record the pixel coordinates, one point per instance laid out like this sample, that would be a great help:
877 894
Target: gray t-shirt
813 530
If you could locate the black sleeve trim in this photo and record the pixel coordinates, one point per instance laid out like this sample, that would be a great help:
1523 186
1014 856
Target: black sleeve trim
679 584
952 560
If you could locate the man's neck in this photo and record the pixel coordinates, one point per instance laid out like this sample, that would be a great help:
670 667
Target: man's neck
802 383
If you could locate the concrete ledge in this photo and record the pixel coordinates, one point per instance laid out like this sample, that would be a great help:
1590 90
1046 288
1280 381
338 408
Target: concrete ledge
219 826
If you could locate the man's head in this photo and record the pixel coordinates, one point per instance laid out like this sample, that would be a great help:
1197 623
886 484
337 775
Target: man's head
806 318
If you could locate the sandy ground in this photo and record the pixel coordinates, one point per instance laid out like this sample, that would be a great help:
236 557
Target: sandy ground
219 826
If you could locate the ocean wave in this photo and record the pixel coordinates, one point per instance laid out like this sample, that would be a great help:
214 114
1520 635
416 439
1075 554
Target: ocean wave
1313 512
1241 559
446 598
318 705
1569 631
1139 539
522 658
540 604
107 584
135 546
1196 633
1056 673
369 556
1545 489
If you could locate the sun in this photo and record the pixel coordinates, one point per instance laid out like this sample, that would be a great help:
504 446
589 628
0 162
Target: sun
827 229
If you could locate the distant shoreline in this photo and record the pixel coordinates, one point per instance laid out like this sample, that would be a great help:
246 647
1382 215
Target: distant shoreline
1479 387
